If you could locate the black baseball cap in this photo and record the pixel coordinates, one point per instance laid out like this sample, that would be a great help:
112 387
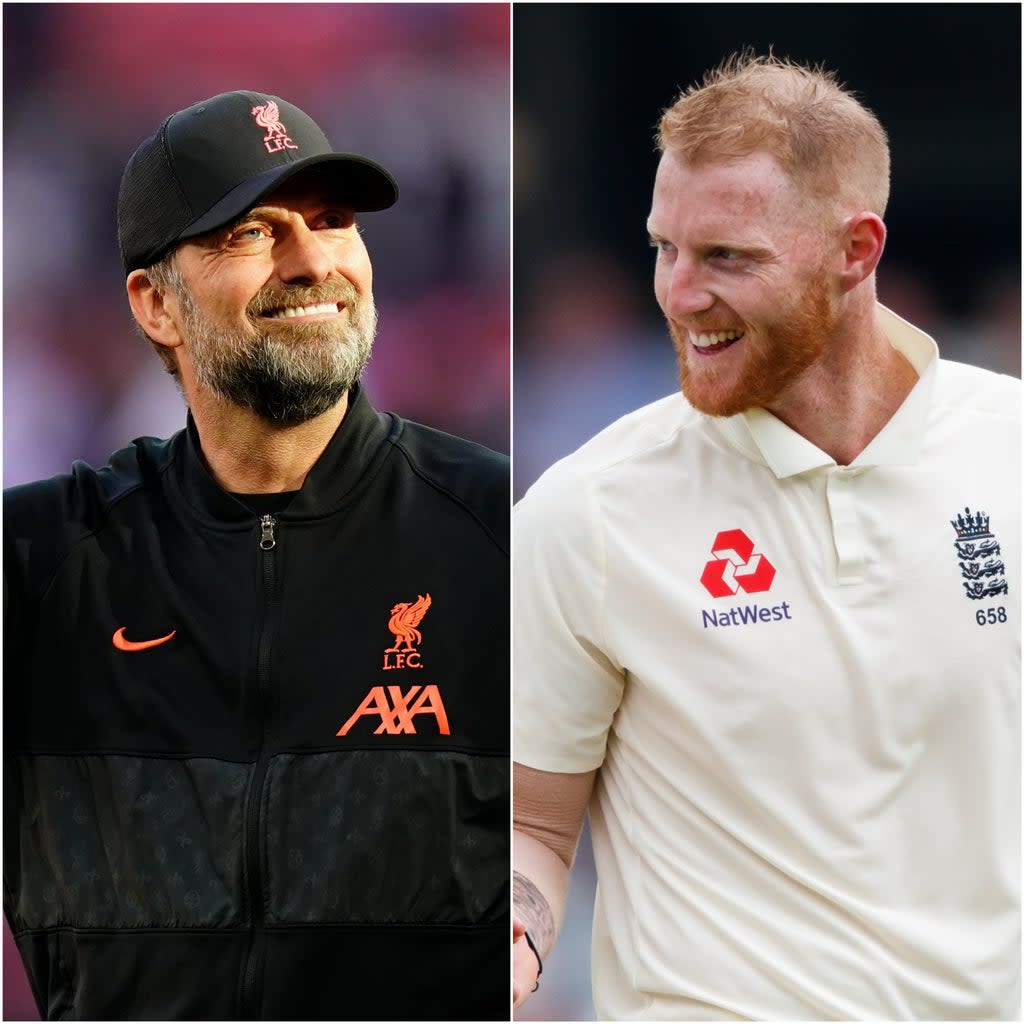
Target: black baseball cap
209 163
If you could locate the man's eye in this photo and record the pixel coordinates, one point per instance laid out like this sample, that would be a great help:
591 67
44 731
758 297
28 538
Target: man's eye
728 255
661 246
250 234
337 220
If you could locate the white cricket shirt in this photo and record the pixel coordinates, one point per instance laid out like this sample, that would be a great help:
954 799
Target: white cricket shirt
801 682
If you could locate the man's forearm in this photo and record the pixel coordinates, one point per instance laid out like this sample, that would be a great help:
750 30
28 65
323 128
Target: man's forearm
549 810
540 885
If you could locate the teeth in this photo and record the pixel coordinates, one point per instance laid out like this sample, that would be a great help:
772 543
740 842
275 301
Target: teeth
290 311
713 338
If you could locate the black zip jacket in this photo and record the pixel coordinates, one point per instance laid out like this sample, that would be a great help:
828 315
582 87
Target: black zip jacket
257 767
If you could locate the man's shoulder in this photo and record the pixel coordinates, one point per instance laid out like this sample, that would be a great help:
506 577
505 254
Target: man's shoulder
465 472
80 501
636 435
971 393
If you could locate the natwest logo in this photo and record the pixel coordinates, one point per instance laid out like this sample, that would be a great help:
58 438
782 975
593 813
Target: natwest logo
736 567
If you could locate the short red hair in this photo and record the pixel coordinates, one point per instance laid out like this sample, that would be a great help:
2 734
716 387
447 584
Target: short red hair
833 148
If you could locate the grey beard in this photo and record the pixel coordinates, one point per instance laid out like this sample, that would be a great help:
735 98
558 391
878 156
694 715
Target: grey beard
284 380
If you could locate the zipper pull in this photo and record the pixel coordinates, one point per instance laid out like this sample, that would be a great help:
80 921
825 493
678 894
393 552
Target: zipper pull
267 540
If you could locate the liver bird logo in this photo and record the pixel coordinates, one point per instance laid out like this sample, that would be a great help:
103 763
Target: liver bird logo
405 617
268 115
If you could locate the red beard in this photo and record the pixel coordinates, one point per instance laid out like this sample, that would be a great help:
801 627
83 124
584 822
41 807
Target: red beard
775 354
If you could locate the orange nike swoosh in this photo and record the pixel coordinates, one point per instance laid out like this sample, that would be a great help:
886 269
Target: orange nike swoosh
138 645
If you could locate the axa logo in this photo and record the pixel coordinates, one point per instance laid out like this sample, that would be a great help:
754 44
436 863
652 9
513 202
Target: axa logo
268 115
736 566
405 618
397 710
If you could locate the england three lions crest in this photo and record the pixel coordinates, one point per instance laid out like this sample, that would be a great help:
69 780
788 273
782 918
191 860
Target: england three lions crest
977 548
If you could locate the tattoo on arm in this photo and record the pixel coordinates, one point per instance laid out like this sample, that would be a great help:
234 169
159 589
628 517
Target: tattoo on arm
533 910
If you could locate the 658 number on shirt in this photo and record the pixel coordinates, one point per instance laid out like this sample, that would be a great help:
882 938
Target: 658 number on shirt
990 616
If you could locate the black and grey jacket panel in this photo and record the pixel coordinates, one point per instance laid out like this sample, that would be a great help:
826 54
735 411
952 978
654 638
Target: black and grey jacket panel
280 793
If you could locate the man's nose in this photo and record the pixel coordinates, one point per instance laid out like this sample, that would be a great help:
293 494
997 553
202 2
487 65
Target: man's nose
685 290
306 257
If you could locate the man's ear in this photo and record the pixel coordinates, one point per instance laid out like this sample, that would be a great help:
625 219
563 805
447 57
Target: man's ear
863 242
151 309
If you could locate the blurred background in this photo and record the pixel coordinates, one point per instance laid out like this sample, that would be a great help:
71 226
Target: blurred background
424 88
589 84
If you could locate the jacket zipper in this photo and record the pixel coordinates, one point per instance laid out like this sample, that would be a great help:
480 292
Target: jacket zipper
251 994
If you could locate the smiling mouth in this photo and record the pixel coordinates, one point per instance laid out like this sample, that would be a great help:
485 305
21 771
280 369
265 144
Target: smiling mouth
714 341
291 312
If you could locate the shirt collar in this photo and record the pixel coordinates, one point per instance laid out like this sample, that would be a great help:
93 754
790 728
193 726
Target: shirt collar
764 438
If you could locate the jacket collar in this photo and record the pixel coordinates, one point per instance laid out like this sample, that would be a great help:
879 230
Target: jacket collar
352 454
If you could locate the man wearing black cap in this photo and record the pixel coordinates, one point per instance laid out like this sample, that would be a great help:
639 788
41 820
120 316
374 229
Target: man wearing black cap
257 745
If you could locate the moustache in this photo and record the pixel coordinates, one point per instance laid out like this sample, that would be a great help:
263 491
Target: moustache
302 295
